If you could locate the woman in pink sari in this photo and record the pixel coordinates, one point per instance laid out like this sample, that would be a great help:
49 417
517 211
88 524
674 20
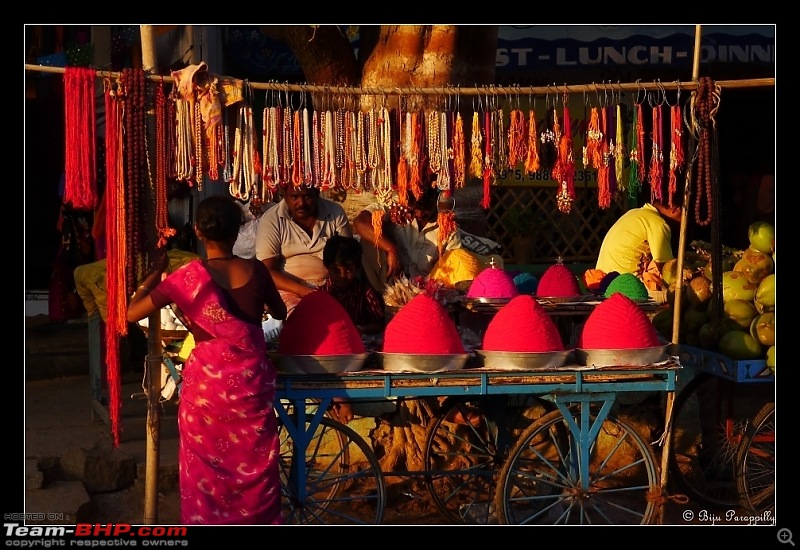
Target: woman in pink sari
229 448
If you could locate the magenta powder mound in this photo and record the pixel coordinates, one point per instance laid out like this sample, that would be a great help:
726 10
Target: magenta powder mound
558 282
319 325
522 325
493 283
422 326
629 285
618 323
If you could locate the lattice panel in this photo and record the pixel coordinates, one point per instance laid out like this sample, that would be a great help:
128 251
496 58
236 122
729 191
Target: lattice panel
576 236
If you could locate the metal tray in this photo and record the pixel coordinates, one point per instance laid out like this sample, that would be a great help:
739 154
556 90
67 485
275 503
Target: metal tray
318 364
569 299
411 362
484 305
613 357
514 360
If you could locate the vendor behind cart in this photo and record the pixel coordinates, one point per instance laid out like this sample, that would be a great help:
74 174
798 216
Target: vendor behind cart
640 242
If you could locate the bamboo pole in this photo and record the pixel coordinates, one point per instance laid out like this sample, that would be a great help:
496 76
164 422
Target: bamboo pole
676 312
457 90
154 352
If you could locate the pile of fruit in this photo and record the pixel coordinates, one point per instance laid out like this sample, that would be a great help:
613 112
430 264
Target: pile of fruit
746 329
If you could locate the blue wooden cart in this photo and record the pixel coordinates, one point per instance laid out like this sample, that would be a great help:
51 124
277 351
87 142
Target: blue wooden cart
574 463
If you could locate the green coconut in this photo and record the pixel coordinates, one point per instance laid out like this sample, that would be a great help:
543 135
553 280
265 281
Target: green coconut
669 273
698 291
771 358
762 328
738 314
765 294
663 321
762 236
738 344
694 319
755 265
708 336
736 286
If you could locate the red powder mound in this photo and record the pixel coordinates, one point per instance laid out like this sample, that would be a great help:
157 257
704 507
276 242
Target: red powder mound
493 283
422 326
558 281
618 323
319 325
522 325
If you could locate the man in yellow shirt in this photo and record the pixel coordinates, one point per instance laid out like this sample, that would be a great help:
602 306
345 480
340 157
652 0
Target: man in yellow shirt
639 242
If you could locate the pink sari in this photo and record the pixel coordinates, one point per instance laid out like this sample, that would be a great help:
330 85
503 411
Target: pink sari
228 453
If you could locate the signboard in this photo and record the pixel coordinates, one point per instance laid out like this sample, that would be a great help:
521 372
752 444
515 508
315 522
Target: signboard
556 52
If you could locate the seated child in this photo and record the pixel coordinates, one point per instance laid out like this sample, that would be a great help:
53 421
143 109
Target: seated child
342 258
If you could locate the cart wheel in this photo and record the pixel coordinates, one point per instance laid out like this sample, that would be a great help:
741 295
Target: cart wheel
540 483
462 460
710 416
755 475
344 483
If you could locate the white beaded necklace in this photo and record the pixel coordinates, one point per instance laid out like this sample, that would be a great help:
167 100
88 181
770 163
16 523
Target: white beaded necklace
308 172
184 171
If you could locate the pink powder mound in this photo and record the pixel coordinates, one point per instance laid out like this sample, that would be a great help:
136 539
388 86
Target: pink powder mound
618 323
422 326
493 283
522 325
319 325
558 282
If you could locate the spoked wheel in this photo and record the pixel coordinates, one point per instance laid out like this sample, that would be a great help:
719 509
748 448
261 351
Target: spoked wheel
755 476
343 483
710 416
466 447
540 481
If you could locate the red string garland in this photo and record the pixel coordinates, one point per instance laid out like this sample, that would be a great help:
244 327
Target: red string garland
676 154
80 119
566 166
486 200
656 174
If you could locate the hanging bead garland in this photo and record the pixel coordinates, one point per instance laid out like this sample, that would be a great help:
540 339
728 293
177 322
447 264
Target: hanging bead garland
476 148
162 120
705 103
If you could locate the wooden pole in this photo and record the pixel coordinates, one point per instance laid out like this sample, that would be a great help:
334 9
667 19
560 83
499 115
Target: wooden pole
676 315
154 349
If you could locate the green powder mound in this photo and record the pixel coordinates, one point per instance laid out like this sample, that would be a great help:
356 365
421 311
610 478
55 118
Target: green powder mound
629 285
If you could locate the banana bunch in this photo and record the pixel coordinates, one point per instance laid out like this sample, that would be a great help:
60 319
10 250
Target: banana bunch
400 291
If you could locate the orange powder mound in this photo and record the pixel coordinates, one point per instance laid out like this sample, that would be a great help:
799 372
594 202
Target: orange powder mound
558 282
522 325
618 323
493 283
319 325
592 278
422 326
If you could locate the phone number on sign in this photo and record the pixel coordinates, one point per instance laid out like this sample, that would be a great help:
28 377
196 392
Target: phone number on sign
521 176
